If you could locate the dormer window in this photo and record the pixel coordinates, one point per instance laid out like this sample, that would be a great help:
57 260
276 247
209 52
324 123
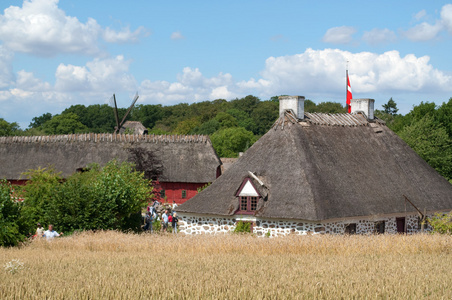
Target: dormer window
248 197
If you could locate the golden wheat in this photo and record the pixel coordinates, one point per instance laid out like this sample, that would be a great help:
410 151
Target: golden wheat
113 265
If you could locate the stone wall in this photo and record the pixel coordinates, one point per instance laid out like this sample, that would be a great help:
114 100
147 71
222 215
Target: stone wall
203 224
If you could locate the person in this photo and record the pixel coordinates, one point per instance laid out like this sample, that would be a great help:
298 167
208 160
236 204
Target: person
173 207
148 221
165 220
39 230
174 222
50 234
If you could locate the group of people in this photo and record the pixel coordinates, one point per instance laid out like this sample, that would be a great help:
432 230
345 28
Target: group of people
48 234
166 218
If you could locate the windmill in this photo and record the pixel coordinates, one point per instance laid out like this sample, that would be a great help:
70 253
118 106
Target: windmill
115 107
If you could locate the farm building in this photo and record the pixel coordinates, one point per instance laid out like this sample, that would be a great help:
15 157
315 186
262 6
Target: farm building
322 173
188 162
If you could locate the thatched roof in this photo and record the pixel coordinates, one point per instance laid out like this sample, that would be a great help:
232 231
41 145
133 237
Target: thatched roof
133 127
184 158
328 167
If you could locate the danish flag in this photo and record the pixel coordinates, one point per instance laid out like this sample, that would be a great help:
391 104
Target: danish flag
349 95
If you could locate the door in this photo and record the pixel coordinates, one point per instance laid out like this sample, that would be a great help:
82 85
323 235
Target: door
400 225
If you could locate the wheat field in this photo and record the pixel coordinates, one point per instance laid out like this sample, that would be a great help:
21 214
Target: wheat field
113 265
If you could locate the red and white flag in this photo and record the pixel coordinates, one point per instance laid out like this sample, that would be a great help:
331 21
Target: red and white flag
349 95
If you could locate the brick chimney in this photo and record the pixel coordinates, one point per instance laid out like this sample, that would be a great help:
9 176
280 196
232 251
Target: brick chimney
363 105
294 103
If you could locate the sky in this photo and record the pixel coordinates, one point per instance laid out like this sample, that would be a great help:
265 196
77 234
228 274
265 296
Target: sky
54 54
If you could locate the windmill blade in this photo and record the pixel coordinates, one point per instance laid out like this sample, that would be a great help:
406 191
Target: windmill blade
116 114
130 108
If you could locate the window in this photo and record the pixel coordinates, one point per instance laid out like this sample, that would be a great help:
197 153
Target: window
162 193
350 229
243 203
248 197
380 227
184 194
248 204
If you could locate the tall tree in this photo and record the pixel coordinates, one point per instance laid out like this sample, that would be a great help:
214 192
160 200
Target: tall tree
390 107
431 141
8 129
39 121
64 124
230 141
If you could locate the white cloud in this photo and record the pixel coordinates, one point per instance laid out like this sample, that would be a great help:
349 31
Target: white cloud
191 86
27 81
177 36
314 73
423 32
421 14
322 72
446 17
379 36
41 28
426 31
6 68
339 35
123 36
98 75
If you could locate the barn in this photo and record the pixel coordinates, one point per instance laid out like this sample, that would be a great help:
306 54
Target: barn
188 162
322 173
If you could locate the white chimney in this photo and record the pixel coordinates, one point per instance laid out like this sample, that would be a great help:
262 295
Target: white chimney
364 105
294 103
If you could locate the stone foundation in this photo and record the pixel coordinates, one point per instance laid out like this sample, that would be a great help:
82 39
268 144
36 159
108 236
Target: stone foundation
201 224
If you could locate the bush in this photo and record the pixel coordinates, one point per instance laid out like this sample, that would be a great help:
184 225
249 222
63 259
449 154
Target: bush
441 223
100 198
10 229
242 227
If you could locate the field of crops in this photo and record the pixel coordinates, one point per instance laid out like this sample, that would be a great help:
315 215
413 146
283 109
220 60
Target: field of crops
112 265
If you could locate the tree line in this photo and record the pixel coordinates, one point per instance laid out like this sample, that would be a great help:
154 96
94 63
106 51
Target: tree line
235 125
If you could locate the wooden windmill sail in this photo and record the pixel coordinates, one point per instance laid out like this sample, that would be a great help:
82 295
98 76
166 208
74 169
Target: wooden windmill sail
115 107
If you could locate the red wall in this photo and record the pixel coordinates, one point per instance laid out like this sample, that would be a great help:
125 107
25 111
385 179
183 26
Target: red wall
173 190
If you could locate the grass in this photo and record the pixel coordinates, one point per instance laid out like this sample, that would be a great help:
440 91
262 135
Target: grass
112 265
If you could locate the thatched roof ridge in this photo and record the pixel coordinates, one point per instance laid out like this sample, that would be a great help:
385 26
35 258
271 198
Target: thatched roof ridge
329 167
106 137
185 158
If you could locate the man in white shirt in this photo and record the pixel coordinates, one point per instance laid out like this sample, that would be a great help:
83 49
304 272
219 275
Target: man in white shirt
50 234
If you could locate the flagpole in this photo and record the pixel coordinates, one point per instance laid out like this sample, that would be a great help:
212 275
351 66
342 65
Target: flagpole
346 85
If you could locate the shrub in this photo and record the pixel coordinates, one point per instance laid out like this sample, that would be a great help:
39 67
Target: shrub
441 223
100 198
242 227
10 231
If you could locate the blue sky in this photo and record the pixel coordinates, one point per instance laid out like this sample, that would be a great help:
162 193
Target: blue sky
54 54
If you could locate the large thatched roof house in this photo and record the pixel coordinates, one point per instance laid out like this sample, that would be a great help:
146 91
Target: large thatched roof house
329 173
189 162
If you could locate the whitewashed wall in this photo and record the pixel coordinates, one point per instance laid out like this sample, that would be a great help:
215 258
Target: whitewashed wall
205 224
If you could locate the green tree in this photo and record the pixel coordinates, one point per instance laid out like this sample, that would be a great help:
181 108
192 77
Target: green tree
101 198
246 104
39 121
207 128
10 229
243 119
390 107
230 141
226 120
264 115
330 108
187 126
38 195
309 106
431 141
64 124
8 129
